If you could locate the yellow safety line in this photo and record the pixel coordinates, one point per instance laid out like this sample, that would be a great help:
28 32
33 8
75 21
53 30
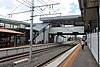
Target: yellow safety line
70 57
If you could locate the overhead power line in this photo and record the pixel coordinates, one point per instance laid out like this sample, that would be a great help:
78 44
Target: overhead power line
37 6
52 1
29 5
29 1
26 6
47 5
40 1
16 8
23 4
48 14
23 12
20 12
44 1
26 1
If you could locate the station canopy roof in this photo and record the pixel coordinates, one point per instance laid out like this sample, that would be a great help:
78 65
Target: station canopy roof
40 26
2 30
89 11
66 20
10 21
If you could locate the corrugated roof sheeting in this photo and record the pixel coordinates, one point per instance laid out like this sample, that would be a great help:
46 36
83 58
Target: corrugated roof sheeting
9 31
66 20
71 17
7 20
39 27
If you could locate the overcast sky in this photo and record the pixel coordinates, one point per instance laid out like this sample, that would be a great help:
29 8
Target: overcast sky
66 7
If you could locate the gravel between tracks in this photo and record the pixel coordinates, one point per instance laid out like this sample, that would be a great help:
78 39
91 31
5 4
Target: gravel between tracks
39 58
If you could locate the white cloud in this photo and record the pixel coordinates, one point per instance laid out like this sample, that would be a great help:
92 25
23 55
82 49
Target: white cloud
6 6
4 11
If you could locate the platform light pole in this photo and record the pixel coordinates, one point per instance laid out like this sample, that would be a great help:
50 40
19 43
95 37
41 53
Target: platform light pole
31 31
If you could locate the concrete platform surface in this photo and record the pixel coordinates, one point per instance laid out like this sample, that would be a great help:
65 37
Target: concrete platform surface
85 59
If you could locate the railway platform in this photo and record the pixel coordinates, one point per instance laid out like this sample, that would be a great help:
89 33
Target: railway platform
77 58
85 59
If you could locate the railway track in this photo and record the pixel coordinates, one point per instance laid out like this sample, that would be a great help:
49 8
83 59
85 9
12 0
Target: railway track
39 58
4 59
44 57
54 57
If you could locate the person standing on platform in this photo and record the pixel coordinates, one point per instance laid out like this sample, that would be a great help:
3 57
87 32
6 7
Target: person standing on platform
82 44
